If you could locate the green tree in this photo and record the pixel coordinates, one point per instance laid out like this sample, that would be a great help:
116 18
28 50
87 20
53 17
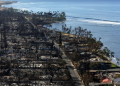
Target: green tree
106 51
112 54
118 60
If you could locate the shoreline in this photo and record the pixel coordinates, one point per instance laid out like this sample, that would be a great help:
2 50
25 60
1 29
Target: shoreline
6 3
72 35
80 45
11 2
108 58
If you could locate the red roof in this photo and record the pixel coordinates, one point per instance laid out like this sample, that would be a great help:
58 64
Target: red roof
106 80
39 25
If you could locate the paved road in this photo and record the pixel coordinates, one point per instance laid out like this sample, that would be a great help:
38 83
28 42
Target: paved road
73 71
31 23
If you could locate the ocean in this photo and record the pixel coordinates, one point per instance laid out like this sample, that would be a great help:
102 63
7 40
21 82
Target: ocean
101 17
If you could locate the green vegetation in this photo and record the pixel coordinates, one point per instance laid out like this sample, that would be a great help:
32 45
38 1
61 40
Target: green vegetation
80 36
51 16
59 16
108 53
81 46
114 65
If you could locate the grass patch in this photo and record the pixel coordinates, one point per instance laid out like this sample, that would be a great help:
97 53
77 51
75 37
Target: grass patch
114 65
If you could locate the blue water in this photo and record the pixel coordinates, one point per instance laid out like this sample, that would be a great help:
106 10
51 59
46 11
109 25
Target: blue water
101 17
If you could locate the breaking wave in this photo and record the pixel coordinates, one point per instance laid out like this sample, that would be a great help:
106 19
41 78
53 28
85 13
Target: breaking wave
101 22
95 21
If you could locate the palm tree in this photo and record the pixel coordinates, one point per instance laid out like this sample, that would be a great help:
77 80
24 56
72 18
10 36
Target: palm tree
87 34
107 51
62 28
99 38
39 14
112 54
79 31
90 35
76 32
117 60
31 11
63 15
